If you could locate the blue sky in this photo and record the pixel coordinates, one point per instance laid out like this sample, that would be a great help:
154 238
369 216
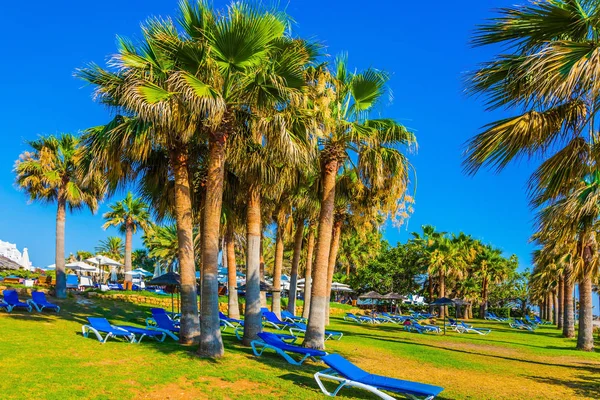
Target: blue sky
425 46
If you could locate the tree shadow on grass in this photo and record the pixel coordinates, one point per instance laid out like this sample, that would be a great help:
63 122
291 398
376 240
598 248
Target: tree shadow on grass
585 386
582 367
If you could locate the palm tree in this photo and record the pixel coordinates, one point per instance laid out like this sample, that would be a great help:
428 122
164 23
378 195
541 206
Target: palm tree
128 214
342 101
112 247
548 76
161 242
50 173
157 89
490 269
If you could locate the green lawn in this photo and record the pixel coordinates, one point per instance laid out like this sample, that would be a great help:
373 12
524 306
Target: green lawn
45 356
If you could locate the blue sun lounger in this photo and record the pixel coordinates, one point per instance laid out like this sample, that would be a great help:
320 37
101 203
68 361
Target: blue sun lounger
227 322
416 327
518 324
300 329
289 317
101 325
155 311
12 299
163 323
275 342
361 319
270 318
539 321
348 374
464 328
140 333
39 301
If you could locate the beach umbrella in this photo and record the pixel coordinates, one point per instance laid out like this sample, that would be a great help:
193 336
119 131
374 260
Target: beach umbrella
372 295
171 280
101 260
80 266
443 301
459 303
393 296
140 272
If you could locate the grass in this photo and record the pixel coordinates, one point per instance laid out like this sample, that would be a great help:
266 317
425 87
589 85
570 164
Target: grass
45 356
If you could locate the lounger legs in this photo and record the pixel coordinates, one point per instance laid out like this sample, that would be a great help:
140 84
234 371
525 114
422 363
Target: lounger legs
332 375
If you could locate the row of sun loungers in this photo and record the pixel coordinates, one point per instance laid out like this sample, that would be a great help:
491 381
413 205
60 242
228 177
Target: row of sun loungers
38 301
342 371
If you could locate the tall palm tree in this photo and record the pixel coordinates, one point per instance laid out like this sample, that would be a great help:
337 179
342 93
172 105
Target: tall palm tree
551 81
342 102
490 269
51 173
128 214
156 86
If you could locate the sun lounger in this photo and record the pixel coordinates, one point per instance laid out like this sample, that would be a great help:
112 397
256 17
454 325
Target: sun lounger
12 299
6 306
101 325
289 317
38 300
348 374
461 327
539 321
518 324
275 342
227 322
163 323
361 319
414 326
172 316
300 329
72 282
270 319
140 333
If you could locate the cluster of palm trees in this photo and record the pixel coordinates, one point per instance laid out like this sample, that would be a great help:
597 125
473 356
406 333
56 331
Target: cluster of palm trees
227 124
459 266
549 77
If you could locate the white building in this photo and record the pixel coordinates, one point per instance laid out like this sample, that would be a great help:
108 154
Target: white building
10 251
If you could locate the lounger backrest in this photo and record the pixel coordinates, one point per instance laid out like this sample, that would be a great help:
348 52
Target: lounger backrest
453 322
100 323
222 316
275 341
287 314
163 321
39 297
344 367
272 317
11 296
264 310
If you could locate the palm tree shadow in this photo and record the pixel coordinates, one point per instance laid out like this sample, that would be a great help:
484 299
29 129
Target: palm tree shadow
585 386
582 367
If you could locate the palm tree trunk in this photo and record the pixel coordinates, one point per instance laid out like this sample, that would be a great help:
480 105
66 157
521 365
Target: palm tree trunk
442 291
315 334
298 237
310 247
211 343
59 259
430 291
279 247
232 296
569 318
585 334
128 240
333 252
252 314
263 294
484 298
190 326
561 302
555 307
